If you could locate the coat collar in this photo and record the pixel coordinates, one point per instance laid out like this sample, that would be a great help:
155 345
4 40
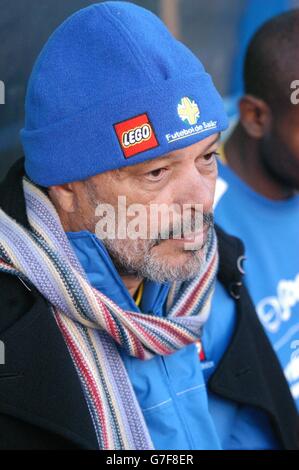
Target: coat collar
102 274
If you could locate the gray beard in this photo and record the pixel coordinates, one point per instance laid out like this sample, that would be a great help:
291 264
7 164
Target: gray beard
136 258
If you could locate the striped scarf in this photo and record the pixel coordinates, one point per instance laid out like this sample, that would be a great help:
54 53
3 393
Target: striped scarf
92 324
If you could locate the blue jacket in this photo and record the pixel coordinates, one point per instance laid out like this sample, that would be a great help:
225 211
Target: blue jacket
171 390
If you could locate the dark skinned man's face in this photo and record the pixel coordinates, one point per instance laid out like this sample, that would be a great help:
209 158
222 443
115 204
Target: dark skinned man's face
280 148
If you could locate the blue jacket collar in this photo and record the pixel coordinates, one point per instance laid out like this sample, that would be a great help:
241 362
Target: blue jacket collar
103 275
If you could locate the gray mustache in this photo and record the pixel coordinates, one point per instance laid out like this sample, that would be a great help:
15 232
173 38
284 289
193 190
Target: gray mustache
178 231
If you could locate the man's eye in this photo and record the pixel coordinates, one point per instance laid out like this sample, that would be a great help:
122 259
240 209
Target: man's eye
210 157
156 175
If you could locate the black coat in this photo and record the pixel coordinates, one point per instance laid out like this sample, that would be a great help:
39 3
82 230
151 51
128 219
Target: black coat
41 402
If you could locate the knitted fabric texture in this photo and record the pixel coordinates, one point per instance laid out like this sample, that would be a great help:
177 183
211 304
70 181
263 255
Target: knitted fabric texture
92 324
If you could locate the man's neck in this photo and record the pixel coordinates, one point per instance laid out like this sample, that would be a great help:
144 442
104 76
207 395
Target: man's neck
243 157
132 283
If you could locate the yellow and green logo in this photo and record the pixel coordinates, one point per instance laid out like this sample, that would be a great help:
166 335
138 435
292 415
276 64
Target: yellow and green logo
188 110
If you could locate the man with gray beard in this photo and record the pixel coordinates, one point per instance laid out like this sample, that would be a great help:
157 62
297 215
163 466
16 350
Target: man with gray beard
100 332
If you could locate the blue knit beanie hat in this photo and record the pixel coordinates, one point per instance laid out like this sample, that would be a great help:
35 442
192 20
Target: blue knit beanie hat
111 88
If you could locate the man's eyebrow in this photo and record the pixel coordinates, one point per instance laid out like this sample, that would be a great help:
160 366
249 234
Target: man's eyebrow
215 141
169 156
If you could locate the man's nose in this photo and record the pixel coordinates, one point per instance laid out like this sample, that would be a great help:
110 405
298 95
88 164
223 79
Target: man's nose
195 188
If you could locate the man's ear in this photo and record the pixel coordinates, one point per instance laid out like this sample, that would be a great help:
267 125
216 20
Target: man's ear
255 116
63 197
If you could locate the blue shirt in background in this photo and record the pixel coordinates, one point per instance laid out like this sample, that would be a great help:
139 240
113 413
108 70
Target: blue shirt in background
270 231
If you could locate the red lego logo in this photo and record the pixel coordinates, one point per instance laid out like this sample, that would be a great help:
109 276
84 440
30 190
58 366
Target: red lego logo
136 135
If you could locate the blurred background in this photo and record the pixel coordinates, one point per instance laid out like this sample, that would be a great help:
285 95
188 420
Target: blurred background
216 30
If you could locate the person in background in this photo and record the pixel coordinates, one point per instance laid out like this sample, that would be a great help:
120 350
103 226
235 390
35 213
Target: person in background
252 18
257 193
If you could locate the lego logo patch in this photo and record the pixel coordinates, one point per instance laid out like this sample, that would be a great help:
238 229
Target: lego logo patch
136 135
